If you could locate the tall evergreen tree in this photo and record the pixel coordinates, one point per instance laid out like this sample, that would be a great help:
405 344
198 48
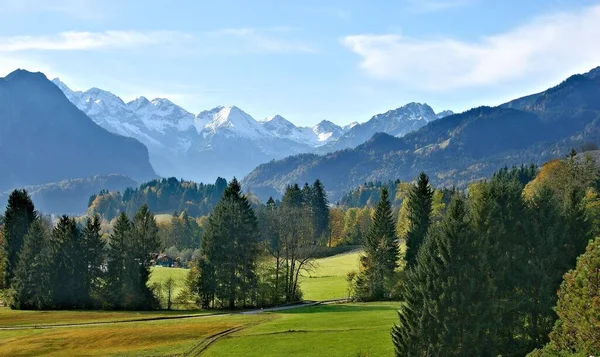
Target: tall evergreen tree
381 251
293 196
230 249
69 275
144 244
20 213
444 295
117 262
31 288
419 217
93 255
320 210
576 332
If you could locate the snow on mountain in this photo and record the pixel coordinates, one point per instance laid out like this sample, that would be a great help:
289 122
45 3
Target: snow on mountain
283 128
397 122
230 122
327 131
444 113
225 141
350 126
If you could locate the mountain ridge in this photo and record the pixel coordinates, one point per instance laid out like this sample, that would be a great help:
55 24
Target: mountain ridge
456 149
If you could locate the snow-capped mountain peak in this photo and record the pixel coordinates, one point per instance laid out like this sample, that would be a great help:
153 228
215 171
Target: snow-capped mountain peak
444 113
232 121
350 126
327 131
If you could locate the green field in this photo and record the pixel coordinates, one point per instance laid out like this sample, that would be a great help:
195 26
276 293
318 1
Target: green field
161 274
327 280
331 330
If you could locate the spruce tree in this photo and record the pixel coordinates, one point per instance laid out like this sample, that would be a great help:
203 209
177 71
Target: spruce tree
31 288
419 217
293 196
381 250
444 310
144 244
230 250
20 213
576 332
117 256
70 269
93 254
320 210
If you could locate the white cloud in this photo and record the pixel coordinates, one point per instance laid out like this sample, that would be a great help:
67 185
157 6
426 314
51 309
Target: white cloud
74 40
558 43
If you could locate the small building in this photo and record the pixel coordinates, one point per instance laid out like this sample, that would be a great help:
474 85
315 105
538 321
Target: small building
164 260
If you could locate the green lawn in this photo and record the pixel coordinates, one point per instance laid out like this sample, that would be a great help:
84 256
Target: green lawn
325 282
329 330
328 279
11 318
161 274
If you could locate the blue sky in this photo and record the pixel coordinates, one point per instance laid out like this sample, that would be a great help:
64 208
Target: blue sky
306 60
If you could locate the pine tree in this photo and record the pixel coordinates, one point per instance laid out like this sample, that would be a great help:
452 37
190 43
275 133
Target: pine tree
576 332
117 262
69 275
20 213
144 244
93 254
293 196
444 311
31 284
381 250
419 217
320 211
230 249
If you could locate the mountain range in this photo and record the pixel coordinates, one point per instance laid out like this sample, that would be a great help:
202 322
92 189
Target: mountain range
456 149
226 141
45 138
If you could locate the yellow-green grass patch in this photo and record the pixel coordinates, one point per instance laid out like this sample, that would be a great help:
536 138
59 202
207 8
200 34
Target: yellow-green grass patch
327 280
166 337
329 330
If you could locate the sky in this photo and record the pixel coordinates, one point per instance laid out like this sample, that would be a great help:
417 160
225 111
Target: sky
340 60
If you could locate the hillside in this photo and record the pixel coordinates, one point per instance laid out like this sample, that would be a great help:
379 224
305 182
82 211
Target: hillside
456 149
71 196
162 196
44 138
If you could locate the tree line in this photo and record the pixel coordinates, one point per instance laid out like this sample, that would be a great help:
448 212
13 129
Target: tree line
255 257
161 196
68 266
480 278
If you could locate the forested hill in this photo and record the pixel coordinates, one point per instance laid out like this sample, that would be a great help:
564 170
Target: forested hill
457 149
44 138
71 196
162 196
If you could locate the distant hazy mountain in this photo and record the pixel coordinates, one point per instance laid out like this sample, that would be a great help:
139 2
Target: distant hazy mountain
397 122
456 149
45 138
226 141
320 134
71 196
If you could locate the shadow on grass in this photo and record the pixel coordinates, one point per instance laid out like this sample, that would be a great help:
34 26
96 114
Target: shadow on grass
342 308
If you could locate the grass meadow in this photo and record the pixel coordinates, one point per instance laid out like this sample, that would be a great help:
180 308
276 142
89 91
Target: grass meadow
327 330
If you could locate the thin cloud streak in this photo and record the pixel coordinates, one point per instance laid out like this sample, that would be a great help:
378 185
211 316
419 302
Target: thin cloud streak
557 43
73 40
